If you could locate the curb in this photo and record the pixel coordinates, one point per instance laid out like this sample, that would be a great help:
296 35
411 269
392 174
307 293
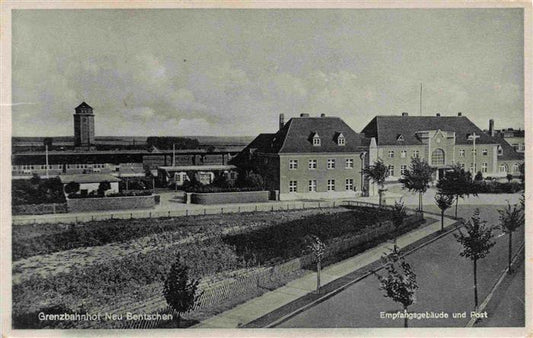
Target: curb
495 286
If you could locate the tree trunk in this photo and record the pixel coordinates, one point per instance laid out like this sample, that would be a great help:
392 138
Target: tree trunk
510 251
179 318
456 203
475 283
379 193
405 319
318 277
420 201
442 220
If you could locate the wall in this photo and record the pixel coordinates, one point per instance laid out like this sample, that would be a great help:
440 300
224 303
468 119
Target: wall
39 209
230 197
321 174
110 203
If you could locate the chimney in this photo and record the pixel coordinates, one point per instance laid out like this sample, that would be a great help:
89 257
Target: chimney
491 127
304 115
322 115
281 121
438 114
459 114
405 114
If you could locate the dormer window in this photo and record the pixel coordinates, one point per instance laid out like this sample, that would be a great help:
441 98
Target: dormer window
400 138
500 150
341 141
316 140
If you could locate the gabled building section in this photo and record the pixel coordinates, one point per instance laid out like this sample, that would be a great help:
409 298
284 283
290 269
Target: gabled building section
309 157
442 141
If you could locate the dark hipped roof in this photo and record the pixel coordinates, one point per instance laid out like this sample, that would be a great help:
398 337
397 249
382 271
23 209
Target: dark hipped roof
509 153
386 129
84 105
296 137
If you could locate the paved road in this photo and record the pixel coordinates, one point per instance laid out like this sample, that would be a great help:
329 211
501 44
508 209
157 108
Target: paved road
507 304
445 280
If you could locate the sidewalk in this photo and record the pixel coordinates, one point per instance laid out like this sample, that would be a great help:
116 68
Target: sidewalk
270 301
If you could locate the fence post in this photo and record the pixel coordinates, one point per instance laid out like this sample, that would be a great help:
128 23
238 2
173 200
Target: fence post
256 208
131 215
92 218
150 214
221 210
239 208
186 212
205 212
319 204
334 204
169 213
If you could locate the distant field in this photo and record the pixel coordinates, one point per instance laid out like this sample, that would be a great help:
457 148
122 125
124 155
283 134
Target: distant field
20 141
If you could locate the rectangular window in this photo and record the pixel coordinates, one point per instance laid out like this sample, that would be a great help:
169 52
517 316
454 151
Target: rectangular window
403 154
391 170
403 169
391 153
462 153
484 167
331 163
341 141
474 152
503 168
472 167
349 163
312 164
312 185
485 152
331 185
415 153
293 186
293 164
349 184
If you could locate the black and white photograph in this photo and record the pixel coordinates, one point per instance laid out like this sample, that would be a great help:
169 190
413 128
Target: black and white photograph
187 168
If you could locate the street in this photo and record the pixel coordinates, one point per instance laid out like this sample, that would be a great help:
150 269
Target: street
445 285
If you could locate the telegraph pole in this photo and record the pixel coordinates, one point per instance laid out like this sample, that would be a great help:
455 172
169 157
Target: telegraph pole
420 98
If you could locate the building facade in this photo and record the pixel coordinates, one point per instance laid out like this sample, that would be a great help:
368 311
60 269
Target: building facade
442 141
309 157
84 126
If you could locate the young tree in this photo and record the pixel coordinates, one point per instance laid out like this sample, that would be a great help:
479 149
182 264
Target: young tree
511 218
476 243
444 202
457 182
180 292
399 283
398 215
377 172
318 248
417 178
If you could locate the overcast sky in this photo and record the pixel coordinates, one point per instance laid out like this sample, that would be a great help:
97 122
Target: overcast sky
231 72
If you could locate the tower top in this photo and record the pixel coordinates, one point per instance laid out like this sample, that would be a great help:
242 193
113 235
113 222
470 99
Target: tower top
84 108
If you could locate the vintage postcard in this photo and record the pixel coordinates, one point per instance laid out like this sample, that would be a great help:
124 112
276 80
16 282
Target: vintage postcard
266 168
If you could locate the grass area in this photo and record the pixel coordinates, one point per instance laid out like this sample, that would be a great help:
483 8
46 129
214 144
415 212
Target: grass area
128 259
